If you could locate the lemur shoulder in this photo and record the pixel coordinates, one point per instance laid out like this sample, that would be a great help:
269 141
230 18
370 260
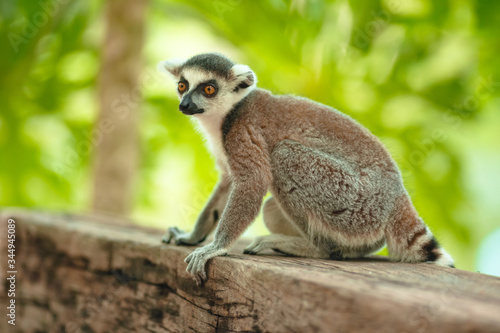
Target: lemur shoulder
336 191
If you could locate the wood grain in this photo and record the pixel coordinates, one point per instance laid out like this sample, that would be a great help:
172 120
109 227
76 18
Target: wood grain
96 274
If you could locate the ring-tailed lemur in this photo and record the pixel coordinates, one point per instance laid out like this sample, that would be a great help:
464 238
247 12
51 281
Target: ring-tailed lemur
336 191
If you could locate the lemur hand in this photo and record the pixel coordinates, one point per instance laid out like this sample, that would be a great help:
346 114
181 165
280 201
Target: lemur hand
199 257
180 237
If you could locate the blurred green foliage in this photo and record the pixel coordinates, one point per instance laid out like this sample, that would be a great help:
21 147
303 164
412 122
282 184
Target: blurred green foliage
422 75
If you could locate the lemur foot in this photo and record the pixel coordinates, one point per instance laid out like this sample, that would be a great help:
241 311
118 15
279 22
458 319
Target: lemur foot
289 245
259 244
198 258
180 237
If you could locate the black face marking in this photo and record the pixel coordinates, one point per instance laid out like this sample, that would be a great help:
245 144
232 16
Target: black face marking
212 82
429 248
232 115
188 107
199 88
211 62
183 80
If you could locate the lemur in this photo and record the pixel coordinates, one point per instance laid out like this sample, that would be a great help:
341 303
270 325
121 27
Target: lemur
336 191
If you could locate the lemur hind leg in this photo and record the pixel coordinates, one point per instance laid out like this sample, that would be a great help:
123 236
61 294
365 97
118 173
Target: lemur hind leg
276 221
328 202
285 238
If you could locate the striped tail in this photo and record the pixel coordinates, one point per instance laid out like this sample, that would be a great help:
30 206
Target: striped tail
410 240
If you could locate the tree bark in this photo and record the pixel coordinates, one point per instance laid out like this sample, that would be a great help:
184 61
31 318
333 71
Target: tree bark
116 130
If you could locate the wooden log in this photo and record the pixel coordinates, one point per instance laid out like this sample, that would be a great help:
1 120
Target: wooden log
94 274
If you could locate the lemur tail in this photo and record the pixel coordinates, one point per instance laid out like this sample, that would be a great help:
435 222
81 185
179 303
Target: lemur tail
410 240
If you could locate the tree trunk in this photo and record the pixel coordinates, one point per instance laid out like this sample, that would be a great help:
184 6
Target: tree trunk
115 132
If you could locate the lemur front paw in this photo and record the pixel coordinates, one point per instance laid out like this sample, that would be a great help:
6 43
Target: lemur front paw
198 258
180 237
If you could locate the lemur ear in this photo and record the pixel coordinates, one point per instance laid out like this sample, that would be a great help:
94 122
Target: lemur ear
242 76
171 67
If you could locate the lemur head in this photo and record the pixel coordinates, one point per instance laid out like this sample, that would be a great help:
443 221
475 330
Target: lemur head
209 84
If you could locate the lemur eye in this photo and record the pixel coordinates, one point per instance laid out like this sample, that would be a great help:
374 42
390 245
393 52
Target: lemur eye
209 90
182 86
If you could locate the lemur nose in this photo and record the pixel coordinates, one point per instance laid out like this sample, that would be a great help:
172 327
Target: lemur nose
184 106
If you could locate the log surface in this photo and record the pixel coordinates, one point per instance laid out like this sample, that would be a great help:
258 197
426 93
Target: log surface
96 274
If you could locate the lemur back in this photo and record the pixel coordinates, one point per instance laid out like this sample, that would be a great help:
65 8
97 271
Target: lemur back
336 191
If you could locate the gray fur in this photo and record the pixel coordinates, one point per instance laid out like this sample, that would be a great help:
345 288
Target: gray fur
336 192
210 62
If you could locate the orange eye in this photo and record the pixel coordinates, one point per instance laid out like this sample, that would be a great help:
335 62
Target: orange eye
209 90
182 86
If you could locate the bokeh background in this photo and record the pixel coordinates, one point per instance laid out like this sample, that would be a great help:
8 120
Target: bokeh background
422 75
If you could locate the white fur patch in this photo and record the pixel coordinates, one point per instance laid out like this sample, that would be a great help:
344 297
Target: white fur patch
195 76
444 259
240 69
216 108
211 120
243 70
